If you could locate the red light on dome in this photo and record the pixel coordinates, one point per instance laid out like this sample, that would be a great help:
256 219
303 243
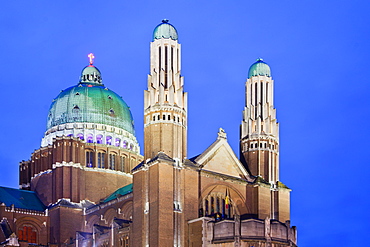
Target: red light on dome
89 85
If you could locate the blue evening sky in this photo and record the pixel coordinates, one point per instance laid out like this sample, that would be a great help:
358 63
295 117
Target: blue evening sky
317 50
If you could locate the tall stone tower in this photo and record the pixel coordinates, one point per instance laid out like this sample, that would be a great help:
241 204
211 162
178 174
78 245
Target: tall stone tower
260 130
165 103
159 191
259 145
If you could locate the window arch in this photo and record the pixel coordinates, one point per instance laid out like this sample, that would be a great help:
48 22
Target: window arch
101 160
27 233
89 158
81 136
118 142
112 161
109 140
123 159
217 205
125 143
99 139
90 138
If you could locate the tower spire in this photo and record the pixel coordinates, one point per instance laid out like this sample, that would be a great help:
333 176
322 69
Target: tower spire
165 102
259 139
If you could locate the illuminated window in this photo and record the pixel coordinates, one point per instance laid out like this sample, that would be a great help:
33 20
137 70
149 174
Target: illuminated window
89 138
89 159
118 142
99 139
27 234
109 140
81 136
125 143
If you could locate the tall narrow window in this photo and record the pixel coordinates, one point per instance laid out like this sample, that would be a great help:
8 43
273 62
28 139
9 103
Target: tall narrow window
171 58
223 208
109 140
206 207
267 92
212 206
112 161
255 100
27 234
261 92
89 159
218 205
122 164
160 59
166 66
101 159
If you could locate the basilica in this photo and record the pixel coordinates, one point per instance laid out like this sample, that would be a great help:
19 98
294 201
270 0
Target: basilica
88 183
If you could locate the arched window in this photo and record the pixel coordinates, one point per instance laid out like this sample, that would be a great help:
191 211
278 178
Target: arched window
212 206
99 139
112 161
109 140
207 207
89 158
218 205
101 160
27 233
118 142
125 144
131 146
90 138
123 159
81 136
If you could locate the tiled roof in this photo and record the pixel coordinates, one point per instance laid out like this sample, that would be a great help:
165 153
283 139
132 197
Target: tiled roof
120 192
21 199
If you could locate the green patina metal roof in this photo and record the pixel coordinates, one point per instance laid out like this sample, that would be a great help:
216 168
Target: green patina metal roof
20 199
90 102
120 192
259 68
165 30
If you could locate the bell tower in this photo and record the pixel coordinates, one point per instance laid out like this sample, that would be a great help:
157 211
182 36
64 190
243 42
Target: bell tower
259 140
165 103
160 212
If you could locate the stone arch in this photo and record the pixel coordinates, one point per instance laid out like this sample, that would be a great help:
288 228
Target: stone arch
219 190
28 229
126 210
109 215
91 222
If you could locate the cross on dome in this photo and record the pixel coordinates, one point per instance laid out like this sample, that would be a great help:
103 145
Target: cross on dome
91 57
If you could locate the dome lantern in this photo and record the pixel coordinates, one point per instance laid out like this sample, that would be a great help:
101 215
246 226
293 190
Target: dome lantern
165 30
91 74
259 68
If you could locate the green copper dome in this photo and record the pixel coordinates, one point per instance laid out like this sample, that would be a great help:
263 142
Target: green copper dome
90 102
165 30
259 68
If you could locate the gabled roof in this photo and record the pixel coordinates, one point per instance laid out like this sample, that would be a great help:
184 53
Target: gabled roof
20 199
221 159
161 157
120 192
